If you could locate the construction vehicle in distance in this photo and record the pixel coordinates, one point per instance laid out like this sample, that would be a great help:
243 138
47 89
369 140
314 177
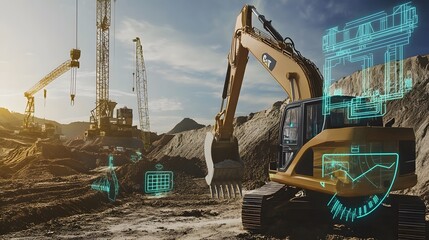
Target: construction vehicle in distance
375 159
30 127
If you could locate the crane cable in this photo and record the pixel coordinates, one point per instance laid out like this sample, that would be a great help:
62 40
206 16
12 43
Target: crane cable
74 70
114 37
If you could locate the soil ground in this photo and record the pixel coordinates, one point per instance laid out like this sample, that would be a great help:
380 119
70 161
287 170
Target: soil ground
137 216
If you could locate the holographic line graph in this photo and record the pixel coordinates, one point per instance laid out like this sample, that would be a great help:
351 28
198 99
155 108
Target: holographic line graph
339 209
343 164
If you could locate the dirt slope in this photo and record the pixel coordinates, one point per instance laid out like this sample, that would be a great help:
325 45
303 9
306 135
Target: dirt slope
257 135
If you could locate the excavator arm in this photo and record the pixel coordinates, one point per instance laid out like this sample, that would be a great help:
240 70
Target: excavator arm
298 77
73 62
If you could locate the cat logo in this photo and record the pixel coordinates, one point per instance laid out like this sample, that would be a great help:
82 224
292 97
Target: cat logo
268 61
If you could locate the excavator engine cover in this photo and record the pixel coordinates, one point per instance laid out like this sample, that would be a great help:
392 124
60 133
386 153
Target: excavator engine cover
224 167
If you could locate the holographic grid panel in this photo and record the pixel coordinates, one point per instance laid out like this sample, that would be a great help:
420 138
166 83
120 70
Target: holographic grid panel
357 43
158 181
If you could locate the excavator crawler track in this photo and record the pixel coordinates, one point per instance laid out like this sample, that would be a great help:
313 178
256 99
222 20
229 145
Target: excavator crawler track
410 214
255 205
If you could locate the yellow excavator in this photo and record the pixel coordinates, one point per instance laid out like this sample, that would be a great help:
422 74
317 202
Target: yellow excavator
347 167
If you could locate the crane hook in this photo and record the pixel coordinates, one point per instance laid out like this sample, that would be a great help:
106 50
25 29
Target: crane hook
72 99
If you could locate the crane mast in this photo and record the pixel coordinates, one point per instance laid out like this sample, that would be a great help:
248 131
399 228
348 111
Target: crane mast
72 63
142 99
102 62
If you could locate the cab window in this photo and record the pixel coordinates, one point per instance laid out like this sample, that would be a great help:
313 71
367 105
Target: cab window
290 126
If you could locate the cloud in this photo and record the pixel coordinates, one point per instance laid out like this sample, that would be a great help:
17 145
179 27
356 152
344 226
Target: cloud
317 12
173 49
119 93
10 93
258 100
165 104
162 124
206 80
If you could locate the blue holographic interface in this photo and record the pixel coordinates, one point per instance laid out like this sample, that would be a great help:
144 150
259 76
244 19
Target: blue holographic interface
356 45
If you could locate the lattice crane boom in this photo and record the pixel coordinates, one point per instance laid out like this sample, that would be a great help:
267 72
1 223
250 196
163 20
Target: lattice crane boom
142 96
72 63
103 21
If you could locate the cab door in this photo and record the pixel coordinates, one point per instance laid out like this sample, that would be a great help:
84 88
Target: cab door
290 136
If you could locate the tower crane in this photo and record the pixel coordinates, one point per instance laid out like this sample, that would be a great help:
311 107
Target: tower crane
102 114
103 109
142 99
73 64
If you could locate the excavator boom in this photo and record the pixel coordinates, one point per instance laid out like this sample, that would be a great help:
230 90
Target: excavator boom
298 77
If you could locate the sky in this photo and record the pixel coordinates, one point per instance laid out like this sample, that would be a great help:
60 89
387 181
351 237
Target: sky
185 45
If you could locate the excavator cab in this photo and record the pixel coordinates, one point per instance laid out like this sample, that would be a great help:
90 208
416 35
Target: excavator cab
302 121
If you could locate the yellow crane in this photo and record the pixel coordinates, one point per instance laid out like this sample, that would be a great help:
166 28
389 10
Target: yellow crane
142 101
73 64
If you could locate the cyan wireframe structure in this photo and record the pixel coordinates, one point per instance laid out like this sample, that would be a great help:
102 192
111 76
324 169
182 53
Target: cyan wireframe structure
357 42
158 182
108 183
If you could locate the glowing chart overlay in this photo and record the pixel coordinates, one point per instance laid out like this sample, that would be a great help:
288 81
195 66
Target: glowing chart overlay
357 44
353 170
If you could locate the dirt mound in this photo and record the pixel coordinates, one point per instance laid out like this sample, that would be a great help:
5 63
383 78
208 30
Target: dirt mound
42 160
188 144
9 120
185 125
24 203
74 130
160 142
132 175
257 135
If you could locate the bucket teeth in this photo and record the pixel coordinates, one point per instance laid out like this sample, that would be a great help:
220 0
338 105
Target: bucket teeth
212 191
225 190
228 190
239 189
232 190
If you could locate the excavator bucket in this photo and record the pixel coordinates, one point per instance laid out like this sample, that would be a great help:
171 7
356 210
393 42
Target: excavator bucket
224 167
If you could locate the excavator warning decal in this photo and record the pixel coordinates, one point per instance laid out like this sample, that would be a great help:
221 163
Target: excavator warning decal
269 61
